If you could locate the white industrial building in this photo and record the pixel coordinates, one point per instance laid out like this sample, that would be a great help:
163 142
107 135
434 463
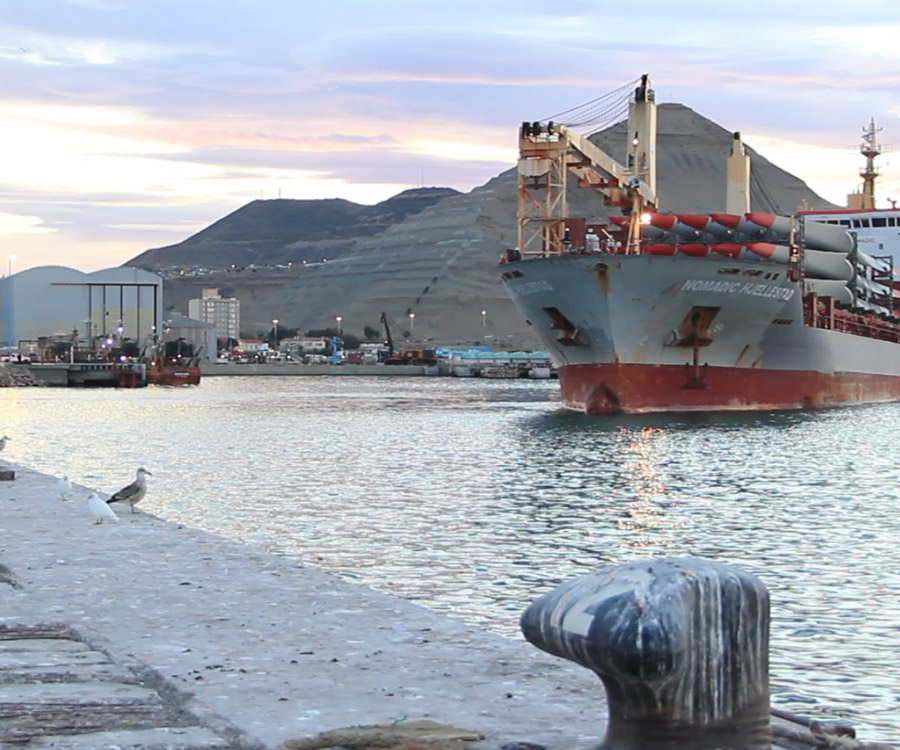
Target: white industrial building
201 336
223 312
60 301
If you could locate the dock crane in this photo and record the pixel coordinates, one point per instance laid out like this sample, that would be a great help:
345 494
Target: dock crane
549 152
387 333
405 356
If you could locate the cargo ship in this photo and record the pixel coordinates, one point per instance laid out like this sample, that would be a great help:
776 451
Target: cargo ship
738 310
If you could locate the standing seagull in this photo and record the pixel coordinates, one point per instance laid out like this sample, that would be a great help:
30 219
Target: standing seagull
3 442
100 510
135 491
64 487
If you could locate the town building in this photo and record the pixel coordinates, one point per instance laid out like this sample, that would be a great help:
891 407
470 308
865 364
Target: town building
303 344
223 312
253 346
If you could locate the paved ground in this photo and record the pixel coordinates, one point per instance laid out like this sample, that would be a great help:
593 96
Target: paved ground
58 691
151 627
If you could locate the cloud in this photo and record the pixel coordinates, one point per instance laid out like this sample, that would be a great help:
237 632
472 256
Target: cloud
21 224
373 140
449 168
110 106
104 5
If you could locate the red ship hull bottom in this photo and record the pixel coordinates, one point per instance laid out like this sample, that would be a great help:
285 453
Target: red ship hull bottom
618 388
173 375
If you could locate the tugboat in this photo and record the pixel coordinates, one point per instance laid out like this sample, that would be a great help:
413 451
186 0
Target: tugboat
174 363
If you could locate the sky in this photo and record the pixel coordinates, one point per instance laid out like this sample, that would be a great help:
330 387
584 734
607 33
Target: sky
132 124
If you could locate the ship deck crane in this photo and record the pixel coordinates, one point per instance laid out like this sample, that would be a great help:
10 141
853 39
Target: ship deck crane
549 152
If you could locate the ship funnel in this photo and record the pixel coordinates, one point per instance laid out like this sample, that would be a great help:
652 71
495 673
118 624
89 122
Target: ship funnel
642 124
737 189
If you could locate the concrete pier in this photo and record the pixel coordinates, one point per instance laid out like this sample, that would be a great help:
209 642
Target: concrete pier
150 613
148 634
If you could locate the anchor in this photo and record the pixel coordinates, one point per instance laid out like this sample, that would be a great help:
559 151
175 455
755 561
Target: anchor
694 332
696 375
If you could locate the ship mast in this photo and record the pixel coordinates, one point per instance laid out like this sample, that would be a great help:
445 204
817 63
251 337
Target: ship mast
642 158
870 148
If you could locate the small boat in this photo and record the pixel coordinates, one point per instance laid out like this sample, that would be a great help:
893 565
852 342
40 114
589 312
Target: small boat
174 363
539 373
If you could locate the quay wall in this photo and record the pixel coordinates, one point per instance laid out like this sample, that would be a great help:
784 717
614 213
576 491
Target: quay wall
209 369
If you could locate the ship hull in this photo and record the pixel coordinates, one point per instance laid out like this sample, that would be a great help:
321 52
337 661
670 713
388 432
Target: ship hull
632 334
173 375
622 388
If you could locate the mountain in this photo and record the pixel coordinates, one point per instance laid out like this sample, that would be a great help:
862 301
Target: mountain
440 263
273 232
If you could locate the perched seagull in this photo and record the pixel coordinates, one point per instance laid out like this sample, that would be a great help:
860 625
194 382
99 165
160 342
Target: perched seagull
64 487
3 442
100 510
135 491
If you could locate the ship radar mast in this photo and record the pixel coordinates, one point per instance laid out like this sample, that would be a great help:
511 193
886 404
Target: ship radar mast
870 148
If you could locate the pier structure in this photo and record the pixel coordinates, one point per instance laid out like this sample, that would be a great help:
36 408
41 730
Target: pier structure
91 374
146 633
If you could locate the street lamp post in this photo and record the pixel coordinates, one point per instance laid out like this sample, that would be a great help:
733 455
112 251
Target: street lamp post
339 320
483 318
412 322
275 331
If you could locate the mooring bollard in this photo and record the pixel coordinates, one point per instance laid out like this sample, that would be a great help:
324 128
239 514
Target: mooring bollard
681 645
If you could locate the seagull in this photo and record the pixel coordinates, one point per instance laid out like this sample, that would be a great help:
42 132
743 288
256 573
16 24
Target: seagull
3 442
64 487
100 510
135 491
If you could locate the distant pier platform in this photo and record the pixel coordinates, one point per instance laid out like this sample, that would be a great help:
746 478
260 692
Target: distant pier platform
91 374
288 368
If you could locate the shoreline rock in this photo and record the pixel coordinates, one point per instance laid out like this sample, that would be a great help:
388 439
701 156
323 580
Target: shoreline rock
18 376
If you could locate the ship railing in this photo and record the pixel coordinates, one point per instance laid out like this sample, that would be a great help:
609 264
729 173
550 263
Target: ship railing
859 325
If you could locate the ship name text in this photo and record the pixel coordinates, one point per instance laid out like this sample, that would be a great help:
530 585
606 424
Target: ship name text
531 287
738 287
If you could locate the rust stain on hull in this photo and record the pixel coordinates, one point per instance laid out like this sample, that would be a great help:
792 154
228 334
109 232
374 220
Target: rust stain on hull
602 271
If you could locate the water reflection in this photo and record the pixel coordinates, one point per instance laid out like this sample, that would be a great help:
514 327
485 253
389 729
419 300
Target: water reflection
473 497
647 510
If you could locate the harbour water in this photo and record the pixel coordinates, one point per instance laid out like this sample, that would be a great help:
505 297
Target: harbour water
472 497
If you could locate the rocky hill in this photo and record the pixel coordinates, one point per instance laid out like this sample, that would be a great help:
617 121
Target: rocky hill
277 232
441 262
